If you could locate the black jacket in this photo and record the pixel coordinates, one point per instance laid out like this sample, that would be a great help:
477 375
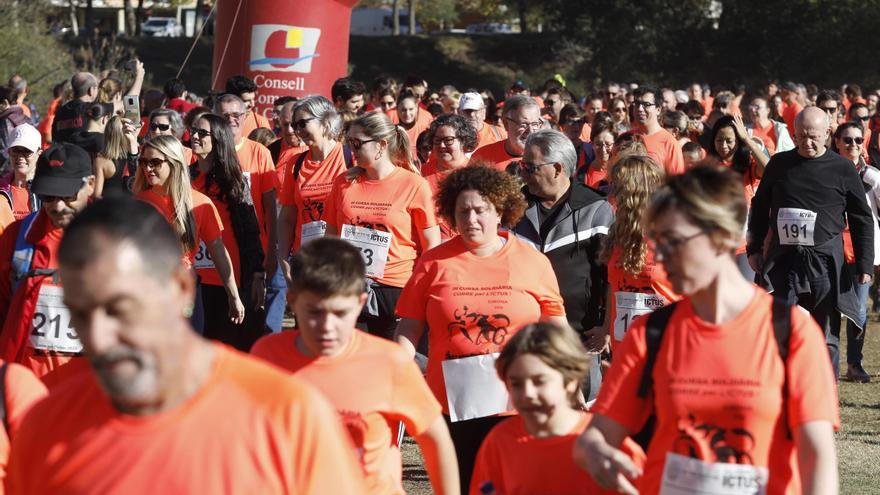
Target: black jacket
573 244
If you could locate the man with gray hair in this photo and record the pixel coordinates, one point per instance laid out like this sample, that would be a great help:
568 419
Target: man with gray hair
567 221
70 117
522 116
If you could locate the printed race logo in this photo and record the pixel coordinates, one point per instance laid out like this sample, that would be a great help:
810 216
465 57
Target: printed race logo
280 48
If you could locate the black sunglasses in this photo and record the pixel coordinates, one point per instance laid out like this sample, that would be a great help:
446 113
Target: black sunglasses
161 127
852 140
201 133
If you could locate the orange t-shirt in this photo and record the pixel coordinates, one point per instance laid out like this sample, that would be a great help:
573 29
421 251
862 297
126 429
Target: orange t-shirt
596 177
400 204
473 305
309 190
663 147
423 122
204 265
495 154
281 166
718 393
373 385
639 294
22 391
259 172
434 176
250 428
767 135
209 227
490 134
790 112
20 202
252 121
516 463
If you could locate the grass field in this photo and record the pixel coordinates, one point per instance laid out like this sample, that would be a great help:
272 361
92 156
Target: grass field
858 442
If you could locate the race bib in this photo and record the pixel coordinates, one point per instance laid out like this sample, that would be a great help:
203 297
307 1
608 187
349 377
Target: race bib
247 179
51 329
686 476
473 389
629 305
311 231
796 226
373 244
203 258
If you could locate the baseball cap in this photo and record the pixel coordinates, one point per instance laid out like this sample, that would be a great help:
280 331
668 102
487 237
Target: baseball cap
471 101
26 136
61 170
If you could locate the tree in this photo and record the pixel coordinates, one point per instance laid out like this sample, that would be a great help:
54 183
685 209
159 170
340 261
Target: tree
139 14
411 7
90 17
438 14
129 17
395 18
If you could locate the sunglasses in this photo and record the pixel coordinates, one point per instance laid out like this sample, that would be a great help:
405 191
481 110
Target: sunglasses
831 110
863 119
151 162
301 123
201 133
531 168
852 140
356 144
160 127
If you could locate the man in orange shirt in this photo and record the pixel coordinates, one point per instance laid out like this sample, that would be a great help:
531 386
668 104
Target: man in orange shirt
472 107
246 89
348 94
661 144
372 382
163 410
522 116
792 106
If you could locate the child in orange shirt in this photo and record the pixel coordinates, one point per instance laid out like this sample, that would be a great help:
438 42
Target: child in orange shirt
372 382
543 366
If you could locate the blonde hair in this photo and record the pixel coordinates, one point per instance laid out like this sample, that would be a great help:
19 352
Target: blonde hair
634 179
377 127
557 346
710 196
108 89
114 139
177 186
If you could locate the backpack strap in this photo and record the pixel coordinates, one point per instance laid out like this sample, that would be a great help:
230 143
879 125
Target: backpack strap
654 330
346 154
781 320
297 167
23 256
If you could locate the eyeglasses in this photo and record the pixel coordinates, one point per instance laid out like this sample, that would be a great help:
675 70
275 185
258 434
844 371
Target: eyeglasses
646 104
160 127
531 168
521 126
852 140
21 151
151 162
831 110
446 141
668 245
233 115
201 133
619 109
301 123
53 199
863 119
356 144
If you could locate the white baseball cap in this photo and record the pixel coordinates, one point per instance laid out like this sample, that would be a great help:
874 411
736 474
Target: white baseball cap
26 136
471 101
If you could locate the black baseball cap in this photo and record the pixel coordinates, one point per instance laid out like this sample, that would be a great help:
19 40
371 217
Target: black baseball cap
61 171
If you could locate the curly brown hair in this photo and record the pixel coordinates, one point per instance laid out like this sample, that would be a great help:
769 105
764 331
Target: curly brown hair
495 186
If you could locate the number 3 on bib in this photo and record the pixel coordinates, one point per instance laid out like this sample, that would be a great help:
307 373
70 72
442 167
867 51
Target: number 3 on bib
373 244
796 226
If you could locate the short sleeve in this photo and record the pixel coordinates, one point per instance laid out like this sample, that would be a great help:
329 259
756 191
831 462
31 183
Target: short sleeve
210 227
421 209
546 289
413 401
676 159
414 297
812 393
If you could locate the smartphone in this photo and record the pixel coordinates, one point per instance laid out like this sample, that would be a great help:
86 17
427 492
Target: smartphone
132 105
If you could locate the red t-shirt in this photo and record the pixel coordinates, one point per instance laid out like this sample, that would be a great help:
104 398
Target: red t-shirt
373 385
400 204
596 177
495 154
248 429
209 227
472 305
259 172
663 147
718 393
790 112
516 463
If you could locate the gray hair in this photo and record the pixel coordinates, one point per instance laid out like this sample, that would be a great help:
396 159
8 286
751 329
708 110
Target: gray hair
515 102
227 98
555 147
322 109
173 119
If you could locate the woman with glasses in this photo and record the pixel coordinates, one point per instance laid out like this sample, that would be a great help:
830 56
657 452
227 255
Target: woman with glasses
309 176
217 175
620 115
737 383
472 294
384 208
15 186
165 122
162 180
573 123
849 142
595 173
118 158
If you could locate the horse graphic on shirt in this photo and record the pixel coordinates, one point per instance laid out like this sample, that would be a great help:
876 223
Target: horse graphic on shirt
491 329
314 209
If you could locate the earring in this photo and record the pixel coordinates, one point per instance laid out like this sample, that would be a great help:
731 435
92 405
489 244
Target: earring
188 310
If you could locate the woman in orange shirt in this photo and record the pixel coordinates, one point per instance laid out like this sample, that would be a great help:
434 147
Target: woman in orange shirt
411 118
740 385
162 179
383 207
602 137
542 367
636 282
473 293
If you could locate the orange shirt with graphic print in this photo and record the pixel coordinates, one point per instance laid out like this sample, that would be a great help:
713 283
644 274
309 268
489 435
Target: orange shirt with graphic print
373 385
20 202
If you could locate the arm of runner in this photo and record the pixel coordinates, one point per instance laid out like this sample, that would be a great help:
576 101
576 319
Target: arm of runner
408 333
602 332
759 220
817 458
99 177
258 290
224 268
286 234
270 212
754 148
609 466
138 82
440 460
430 237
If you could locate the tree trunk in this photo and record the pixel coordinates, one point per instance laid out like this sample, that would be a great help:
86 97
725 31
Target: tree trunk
523 22
129 17
90 18
411 6
200 5
395 18
74 21
139 17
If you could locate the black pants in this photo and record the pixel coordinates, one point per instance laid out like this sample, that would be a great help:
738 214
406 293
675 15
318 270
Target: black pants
197 319
467 436
218 326
384 324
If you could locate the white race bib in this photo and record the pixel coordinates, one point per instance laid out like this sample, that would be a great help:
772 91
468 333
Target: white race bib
374 245
473 389
629 305
51 329
796 226
686 476
311 231
203 258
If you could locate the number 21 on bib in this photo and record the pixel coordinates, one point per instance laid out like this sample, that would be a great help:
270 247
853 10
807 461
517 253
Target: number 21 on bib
51 329
796 226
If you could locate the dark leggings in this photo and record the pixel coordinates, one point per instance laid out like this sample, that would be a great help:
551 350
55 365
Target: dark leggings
218 326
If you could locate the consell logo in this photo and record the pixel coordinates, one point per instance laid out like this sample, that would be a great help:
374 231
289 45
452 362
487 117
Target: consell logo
280 48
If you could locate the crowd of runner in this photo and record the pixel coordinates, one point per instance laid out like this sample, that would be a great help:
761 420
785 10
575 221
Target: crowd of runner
637 290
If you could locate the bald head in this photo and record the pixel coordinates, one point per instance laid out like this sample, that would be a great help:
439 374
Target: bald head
85 86
811 131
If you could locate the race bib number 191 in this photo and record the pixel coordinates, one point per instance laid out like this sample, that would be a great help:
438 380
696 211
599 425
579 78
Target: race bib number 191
51 329
796 226
373 244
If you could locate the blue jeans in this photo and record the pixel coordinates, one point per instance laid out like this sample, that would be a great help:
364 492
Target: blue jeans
276 300
855 337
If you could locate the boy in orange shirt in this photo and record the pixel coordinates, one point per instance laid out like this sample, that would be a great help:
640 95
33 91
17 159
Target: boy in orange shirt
370 381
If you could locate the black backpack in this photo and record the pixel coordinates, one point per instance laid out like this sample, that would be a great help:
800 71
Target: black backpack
656 327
